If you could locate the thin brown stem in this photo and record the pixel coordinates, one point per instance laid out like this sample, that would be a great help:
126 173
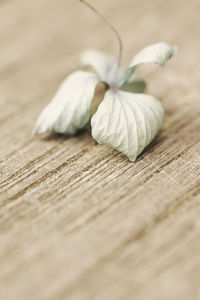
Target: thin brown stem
109 25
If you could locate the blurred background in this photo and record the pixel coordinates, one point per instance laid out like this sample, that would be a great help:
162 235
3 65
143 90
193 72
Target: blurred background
42 40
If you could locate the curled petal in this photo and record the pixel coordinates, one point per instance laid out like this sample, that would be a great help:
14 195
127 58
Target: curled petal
128 122
158 53
106 66
70 109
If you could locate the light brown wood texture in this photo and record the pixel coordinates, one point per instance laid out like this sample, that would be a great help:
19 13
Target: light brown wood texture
79 221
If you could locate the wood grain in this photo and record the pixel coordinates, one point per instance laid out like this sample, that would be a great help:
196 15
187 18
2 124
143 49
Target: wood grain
78 220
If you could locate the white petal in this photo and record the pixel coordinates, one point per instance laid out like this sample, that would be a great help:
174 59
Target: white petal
70 109
128 122
106 66
158 53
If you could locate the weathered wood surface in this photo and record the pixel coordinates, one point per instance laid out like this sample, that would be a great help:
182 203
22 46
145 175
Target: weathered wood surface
78 220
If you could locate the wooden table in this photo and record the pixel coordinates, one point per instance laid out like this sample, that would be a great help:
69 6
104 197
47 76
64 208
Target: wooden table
77 219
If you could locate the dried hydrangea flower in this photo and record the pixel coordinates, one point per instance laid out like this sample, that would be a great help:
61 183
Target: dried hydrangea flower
125 120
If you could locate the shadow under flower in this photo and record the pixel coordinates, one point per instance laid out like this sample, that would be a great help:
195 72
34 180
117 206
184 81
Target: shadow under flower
62 137
160 138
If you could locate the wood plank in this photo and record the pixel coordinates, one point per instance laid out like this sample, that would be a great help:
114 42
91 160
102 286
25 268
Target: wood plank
77 219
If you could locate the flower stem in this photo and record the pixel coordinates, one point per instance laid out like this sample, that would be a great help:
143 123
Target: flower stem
110 26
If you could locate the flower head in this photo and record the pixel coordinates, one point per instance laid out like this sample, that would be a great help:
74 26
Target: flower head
125 120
